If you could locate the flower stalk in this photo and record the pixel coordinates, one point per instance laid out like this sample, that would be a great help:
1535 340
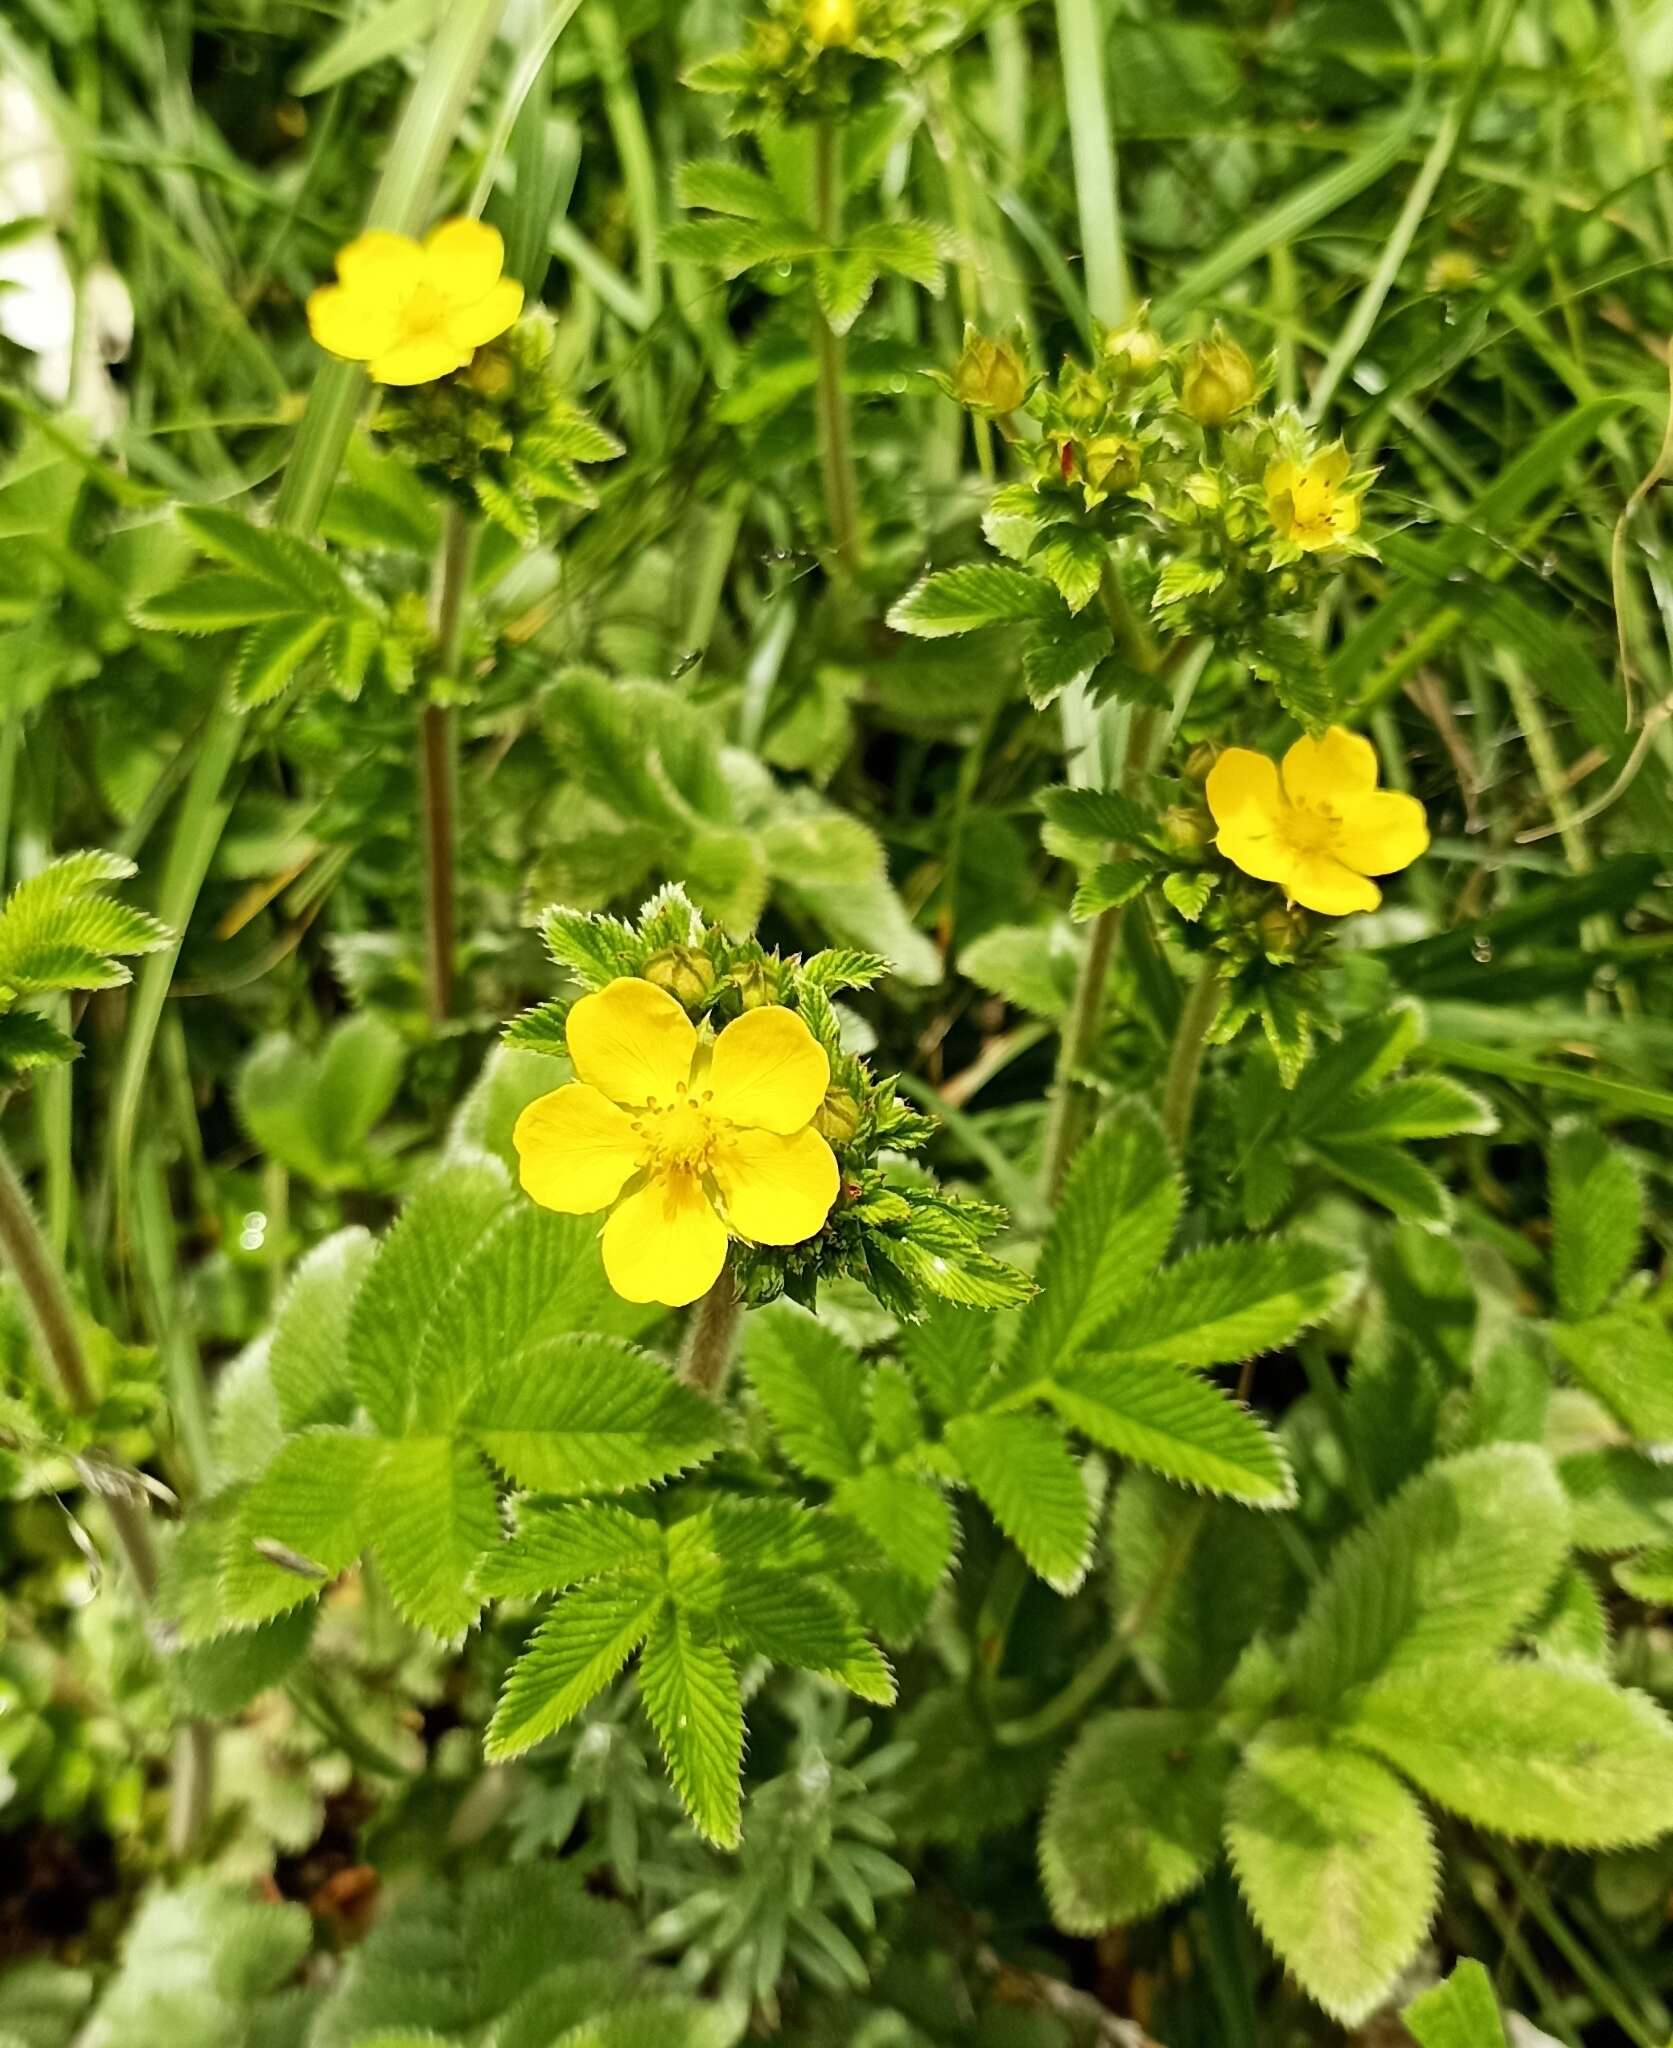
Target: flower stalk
711 1337
1179 1088
437 754
830 351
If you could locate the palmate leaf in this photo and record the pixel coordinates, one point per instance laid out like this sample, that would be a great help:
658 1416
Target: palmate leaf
580 1646
1336 1862
431 1517
1227 1303
306 1362
813 1388
1176 1423
950 601
1461 1556
1531 1750
59 930
690 1690
1597 1215
1033 1487
559 1544
1133 1821
300 1524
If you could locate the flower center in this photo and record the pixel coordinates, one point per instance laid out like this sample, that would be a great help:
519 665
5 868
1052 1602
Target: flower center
1314 501
677 1136
1308 828
423 313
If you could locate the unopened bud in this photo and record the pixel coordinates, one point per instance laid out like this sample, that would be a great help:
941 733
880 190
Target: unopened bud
1282 929
1111 463
1217 382
756 982
832 24
1186 829
989 376
1082 397
1201 759
687 975
838 1117
1135 351
490 373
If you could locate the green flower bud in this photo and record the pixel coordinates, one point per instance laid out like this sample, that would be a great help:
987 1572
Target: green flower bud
1135 351
989 377
1201 759
1282 929
838 1117
832 24
1081 397
1186 829
490 373
1217 382
757 982
1111 463
688 975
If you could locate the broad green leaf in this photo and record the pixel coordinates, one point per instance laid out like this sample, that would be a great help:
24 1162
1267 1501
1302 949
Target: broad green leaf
722 187
813 1388
1620 1499
307 1358
417 1258
580 1646
690 1690
1597 1217
980 594
1033 1488
1337 1865
1177 1423
431 1517
1133 1821
1110 885
1032 966
1531 1750
950 1357
583 1414
1455 1563
1226 1303
907 1518
1418 1106
302 1522
1403 1185
559 1544
1649 1576
217 601
1626 1358
1461 2013
219 1679
1114 1223
359 1076
270 655
1074 560
801 1622
1098 814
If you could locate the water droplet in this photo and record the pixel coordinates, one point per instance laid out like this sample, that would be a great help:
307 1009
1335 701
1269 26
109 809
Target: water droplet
1481 949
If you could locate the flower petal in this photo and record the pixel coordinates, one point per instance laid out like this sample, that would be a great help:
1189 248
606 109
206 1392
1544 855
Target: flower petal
463 259
1334 770
470 326
1331 464
1382 833
418 360
355 325
632 1042
1243 786
1249 845
769 1071
1319 883
576 1150
777 1190
664 1243
384 264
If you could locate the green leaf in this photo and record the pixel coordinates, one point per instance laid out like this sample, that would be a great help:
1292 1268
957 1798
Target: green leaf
690 1690
843 281
1418 1106
1133 1820
1626 1359
306 1351
1178 1424
1403 1185
1456 1562
301 1524
432 1517
980 594
1648 1576
813 1388
59 931
270 655
1228 1302
1461 2013
1065 651
1336 1863
721 187
800 1621
1114 1223
560 1544
1074 560
580 1646
1033 1488
1531 1750
1098 814
1111 885
1597 1217
906 1517
216 601
584 1414
1032 966
1620 1499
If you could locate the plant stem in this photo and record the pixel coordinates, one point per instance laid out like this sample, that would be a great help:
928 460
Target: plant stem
830 350
1081 42
438 747
710 1337
1179 1088
48 1301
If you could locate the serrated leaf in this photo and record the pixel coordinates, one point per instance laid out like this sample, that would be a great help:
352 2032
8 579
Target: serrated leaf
1176 1423
1648 1576
1336 1863
1111 885
431 1517
1461 2013
29 1042
1189 892
1098 814
843 280
580 1646
1597 1216
559 1544
800 1621
1620 1499
1114 1223
1461 1556
282 559
690 1690
307 1354
217 601
269 657
1032 966
583 1414
1403 1185
1226 1303
721 187
1417 1106
300 1524
1074 560
1033 1488
813 1388
909 248
1530 1750
1133 1820
1064 652
905 1516
979 594
1626 1359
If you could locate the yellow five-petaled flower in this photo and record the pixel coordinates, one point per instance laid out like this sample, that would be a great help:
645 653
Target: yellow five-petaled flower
1306 502
1320 827
415 311
694 1131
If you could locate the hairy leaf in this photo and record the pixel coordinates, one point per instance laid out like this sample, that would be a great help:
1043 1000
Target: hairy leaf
1177 1423
1597 1215
1033 1488
580 1646
1226 1303
690 1690
813 1388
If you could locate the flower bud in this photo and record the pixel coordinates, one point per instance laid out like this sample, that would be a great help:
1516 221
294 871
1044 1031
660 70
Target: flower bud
1081 397
1135 351
989 376
490 373
1282 929
1111 463
1201 759
687 974
832 24
1453 270
1186 829
838 1117
1217 382
757 982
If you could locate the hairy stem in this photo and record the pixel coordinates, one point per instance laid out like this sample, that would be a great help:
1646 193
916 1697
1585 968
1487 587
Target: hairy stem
711 1337
438 746
1179 1088
830 351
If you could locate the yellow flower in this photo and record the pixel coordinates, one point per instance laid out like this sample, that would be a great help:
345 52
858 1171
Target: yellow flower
1319 828
833 24
413 312
693 1131
1306 502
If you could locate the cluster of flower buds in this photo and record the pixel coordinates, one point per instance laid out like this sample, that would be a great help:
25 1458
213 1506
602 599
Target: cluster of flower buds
811 57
